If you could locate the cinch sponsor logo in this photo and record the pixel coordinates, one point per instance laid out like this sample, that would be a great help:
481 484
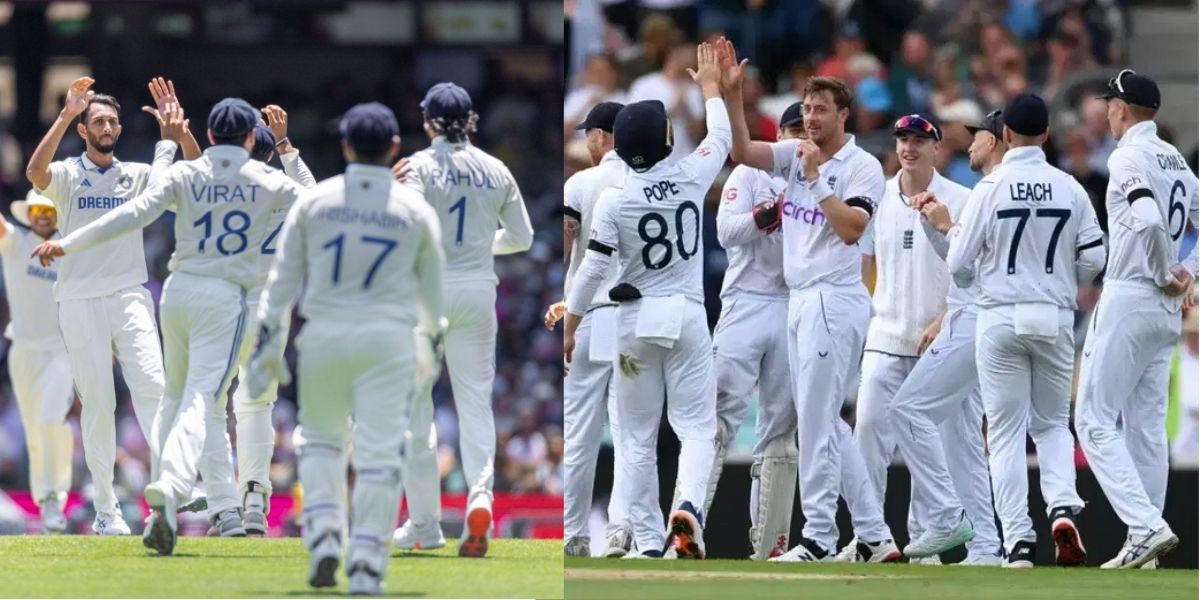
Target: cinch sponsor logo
809 216
102 202
1132 181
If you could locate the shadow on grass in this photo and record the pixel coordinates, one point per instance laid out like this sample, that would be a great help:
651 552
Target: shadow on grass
337 594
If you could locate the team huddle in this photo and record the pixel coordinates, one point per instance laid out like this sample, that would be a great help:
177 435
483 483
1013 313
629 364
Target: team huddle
389 265
964 347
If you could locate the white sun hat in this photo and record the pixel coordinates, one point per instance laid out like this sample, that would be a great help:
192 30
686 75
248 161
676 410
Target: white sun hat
20 208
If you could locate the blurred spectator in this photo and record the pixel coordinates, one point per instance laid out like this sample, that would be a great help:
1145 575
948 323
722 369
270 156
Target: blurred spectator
910 80
1099 136
658 36
598 83
679 94
526 455
1187 390
762 125
846 47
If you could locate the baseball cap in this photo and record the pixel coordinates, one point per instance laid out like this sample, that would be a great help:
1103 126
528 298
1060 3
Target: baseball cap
20 208
1133 88
793 116
232 117
447 100
1027 115
992 123
601 117
264 142
642 134
919 125
369 128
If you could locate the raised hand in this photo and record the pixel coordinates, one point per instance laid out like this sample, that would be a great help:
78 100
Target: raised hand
163 92
171 122
277 120
708 71
732 71
78 96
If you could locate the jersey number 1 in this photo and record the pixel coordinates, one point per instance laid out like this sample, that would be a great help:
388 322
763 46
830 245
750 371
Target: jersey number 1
461 207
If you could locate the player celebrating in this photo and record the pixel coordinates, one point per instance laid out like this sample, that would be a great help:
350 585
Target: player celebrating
663 345
470 191
223 203
588 393
750 350
1024 225
37 360
368 254
941 393
102 307
833 188
1136 324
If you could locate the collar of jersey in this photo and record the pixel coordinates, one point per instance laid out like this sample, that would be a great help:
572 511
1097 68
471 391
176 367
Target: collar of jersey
1024 154
610 156
227 151
847 148
442 141
935 184
362 170
1141 131
88 165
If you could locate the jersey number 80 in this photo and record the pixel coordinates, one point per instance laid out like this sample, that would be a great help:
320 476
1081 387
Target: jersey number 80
658 238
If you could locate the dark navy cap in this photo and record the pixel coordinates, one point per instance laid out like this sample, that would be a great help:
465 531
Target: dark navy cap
1133 88
793 116
918 124
264 142
601 116
1027 115
642 134
233 117
369 128
993 123
447 100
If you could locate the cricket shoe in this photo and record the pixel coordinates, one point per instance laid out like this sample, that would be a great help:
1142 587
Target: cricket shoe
411 536
849 553
1141 549
229 523
981 560
687 534
647 555
934 542
323 564
1068 545
364 581
620 543
577 546
926 560
53 519
474 543
254 512
162 529
110 524
883 551
1022 556
195 505
805 551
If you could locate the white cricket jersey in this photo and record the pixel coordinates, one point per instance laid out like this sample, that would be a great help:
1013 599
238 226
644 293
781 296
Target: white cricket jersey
295 168
812 252
364 247
1144 166
581 191
1025 222
223 202
911 278
29 288
83 192
471 190
755 257
654 222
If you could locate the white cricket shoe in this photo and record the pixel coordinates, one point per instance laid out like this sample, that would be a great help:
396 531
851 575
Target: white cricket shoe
687 535
162 528
195 505
53 519
1151 565
934 542
647 555
883 551
578 546
474 542
620 543
411 536
805 551
926 560
364 581
110 524
1141 549
849 552
981 560
323 564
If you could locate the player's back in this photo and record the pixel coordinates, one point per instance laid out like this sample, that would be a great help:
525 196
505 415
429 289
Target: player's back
582 192
468 189
362 238
224 203
755 267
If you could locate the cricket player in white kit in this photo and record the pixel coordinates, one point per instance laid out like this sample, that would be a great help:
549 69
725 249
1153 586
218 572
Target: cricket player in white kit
1020 235
102 307
833 190
588 390
750 348
37 360
367 252
222 203
949 471
470 191
653 226
1135 326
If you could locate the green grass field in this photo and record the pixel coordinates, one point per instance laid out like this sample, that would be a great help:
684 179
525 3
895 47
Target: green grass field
95 567
667 580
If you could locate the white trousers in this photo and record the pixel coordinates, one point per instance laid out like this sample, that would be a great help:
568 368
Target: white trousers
827 327
203 323
41 381
588 395
94 329
1026 385
1121 413
470 345
359 372
937 419
255 431
882 376
646 373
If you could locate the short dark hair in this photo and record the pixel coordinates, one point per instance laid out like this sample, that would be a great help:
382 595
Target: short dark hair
99 99
232 140
841 93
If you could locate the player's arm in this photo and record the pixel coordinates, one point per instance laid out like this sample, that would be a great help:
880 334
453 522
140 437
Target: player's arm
937 221
847 218
967 236
516 232
431 267
1090 253
289 155
709 157
739 218
573 196
1192 261
38 170
745 151
600 250
1127 183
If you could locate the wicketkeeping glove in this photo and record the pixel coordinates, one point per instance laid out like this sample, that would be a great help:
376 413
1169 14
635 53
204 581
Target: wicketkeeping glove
768 216
267 364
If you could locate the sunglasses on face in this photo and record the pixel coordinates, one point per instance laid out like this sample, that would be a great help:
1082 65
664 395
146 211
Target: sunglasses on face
40 211
920 124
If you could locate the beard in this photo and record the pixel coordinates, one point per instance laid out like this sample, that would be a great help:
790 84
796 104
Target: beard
103 147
